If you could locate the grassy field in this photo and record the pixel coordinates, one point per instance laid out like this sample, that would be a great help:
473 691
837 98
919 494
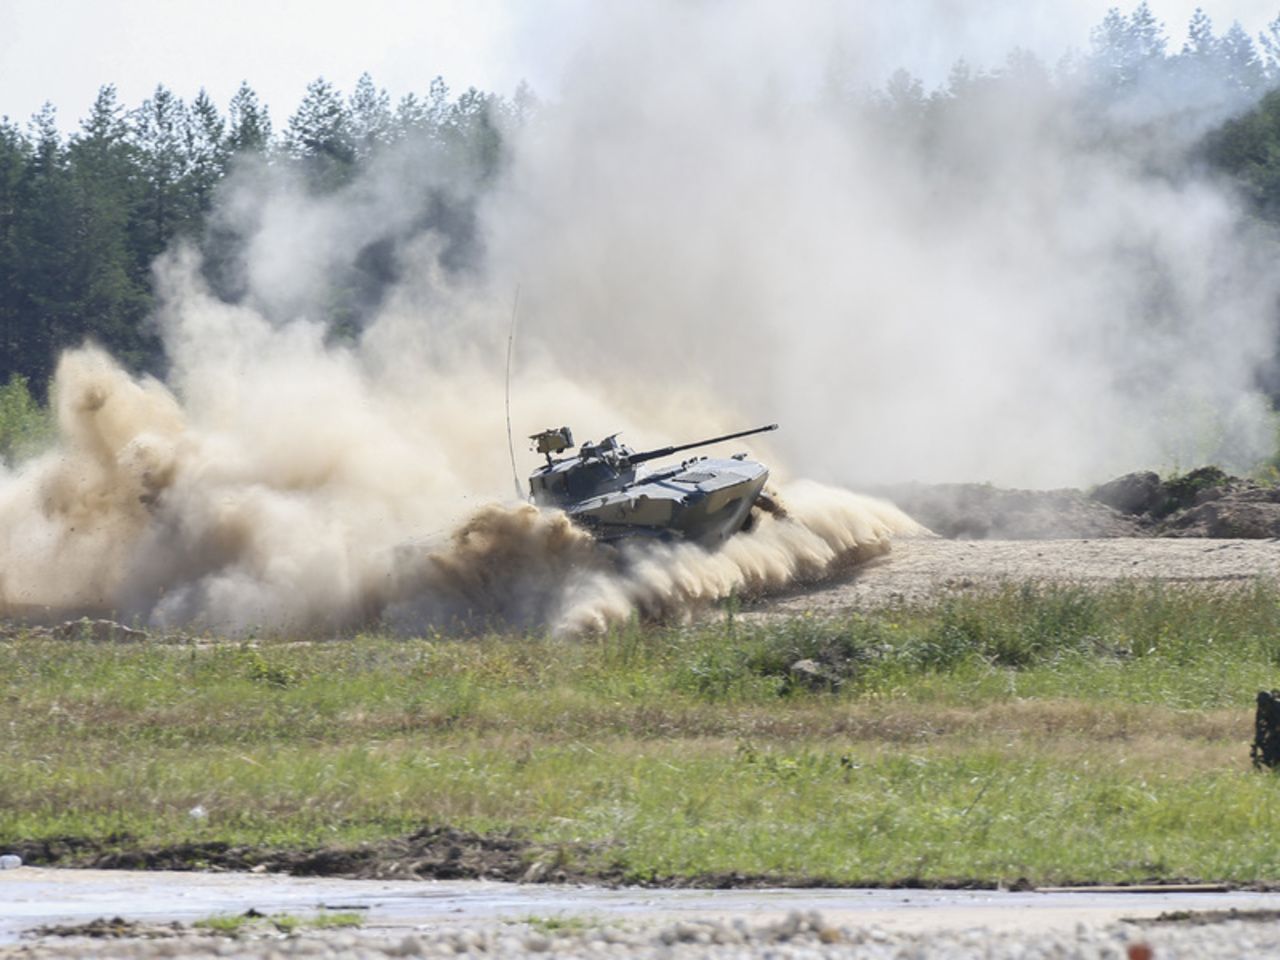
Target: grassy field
1064 735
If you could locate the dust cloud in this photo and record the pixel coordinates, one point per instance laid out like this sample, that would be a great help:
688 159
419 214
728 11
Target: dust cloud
710 227
291 490
1025 285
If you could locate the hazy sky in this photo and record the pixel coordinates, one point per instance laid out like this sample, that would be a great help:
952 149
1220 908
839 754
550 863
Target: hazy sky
64 50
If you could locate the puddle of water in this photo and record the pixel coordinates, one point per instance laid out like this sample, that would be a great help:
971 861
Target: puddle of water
31 897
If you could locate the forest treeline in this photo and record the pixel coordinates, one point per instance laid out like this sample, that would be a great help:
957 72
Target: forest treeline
83 217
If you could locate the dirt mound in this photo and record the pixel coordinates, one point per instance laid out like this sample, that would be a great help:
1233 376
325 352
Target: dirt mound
1237 517
980 511
1205 502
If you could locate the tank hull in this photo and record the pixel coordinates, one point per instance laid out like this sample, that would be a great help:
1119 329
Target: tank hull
703 501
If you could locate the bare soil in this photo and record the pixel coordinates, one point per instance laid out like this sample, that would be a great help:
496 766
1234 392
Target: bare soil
1202 527
433 853
115 928
927 569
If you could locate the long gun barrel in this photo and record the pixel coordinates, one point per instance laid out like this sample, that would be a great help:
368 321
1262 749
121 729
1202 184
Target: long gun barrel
667 451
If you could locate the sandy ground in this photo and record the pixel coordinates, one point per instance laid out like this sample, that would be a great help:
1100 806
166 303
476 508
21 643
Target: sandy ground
923 569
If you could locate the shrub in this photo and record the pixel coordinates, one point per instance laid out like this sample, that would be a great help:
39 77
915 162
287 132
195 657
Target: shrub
25 426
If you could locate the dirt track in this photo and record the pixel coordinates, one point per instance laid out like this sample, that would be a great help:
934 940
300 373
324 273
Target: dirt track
923 569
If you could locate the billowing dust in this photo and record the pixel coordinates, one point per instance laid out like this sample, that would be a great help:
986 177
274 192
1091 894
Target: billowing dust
313 503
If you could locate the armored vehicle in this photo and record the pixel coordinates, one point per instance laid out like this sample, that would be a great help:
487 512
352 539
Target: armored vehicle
606 488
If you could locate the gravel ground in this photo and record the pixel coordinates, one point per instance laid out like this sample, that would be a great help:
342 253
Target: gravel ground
799 936
929 568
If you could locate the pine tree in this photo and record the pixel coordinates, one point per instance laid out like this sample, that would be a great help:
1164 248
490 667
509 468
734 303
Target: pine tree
1269 58
250 125
960 79
1200 60
525 103
1200 43
1126 48
412 118
110 282
320 136
1025 71
371 119
207 153
904 93
1243 70
1146 34
438 108
47 252
472 132
15 155
160 135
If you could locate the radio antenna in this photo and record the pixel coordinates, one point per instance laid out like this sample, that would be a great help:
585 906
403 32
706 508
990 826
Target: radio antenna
511 446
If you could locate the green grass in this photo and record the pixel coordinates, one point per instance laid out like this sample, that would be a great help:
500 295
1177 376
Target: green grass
1056 735
225 924
240 924
560 923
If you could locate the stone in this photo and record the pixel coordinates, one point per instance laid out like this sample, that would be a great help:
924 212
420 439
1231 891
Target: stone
1133 494
99 631
537 870
537 943
812 675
